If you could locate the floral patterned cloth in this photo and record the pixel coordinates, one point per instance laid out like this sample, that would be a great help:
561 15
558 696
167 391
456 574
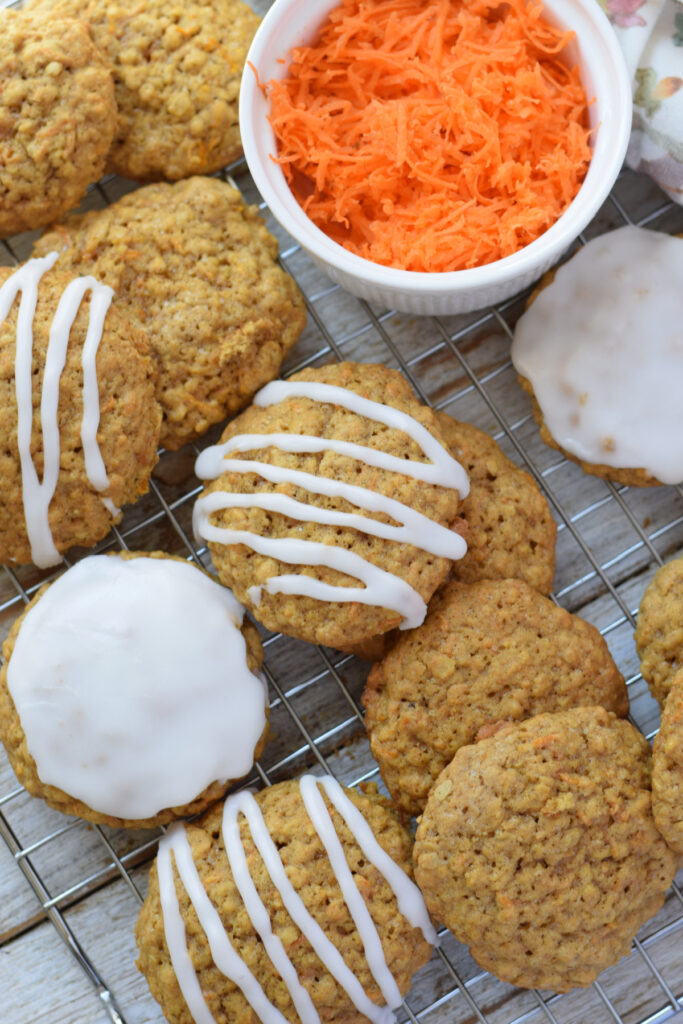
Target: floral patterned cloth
651 35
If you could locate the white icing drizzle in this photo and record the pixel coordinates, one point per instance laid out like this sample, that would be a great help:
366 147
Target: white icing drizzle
100 301
603 348
369 936
111 507
36 494
381 588
409 898
225 957
444 471
210 462
132 687
174 926
258 912
26 279
327 952
415 528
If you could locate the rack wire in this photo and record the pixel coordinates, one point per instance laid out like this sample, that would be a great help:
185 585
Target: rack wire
70 892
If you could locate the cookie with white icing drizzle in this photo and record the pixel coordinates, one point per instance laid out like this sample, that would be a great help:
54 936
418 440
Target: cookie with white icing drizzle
296 904
79 423
196 269
600 351
339 523
131 693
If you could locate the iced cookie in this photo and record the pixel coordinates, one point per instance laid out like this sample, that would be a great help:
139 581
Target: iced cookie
331 505
294 905
196 268
600 350
78 417
57 117
488 651
538 849
130 692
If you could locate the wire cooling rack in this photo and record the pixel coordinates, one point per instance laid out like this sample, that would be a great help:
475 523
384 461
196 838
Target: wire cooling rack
70 892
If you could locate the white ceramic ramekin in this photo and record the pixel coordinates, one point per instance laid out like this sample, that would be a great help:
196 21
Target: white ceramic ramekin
291 23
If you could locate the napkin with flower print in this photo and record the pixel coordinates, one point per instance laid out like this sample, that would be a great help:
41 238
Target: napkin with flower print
651 35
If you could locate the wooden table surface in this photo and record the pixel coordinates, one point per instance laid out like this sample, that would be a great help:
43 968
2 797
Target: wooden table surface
70 892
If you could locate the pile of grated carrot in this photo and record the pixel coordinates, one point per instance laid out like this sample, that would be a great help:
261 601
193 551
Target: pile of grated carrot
432 135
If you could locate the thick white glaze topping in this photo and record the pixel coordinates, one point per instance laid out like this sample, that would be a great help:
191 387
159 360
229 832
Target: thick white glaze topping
380 588
132 688
36 494
226 959
603 349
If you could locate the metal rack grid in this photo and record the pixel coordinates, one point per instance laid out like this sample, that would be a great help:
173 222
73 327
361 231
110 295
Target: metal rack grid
70 892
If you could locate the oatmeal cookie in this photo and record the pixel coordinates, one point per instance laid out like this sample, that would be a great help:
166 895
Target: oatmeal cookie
79 444
667 768
510 530
130 693
599 352
196 268
488 651
628 477
298 930
538 848
338 527
659 629
57 118
177 70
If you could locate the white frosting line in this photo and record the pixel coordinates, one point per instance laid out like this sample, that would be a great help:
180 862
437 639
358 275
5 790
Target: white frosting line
99 306
37 495
260 918
602 346
225 957
326 951
132 686
174 926
409 898
210 462
369 936
26 280
416 529
382 589
111 507
445 470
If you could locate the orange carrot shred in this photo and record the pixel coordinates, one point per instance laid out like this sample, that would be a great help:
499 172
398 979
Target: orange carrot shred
433 135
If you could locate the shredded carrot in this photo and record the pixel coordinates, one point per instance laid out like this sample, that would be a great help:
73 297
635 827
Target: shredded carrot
433 134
